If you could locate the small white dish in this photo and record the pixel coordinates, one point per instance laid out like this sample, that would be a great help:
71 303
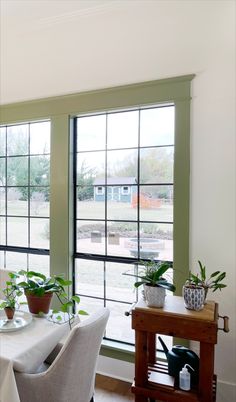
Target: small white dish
21 319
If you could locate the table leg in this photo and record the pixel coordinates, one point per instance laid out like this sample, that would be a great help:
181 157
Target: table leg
141 363
206 371
151 348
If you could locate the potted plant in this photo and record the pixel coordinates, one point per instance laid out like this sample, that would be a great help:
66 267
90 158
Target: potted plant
194 296
11 294
214 281
39 290
197 285
154 283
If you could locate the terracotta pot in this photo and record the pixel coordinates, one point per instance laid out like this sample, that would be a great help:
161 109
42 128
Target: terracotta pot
38 304
154 296
9 311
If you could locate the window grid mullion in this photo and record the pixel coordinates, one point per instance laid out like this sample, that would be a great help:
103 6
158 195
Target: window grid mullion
119 259
10 248
138 188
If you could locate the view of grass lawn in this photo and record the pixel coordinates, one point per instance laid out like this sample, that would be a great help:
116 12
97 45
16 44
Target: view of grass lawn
123 211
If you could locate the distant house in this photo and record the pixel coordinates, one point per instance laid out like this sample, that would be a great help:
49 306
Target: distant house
119 189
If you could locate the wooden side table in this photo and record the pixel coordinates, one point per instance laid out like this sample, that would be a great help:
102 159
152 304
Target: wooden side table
152 381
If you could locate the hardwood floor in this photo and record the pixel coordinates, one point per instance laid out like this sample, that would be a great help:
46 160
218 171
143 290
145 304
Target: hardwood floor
111 390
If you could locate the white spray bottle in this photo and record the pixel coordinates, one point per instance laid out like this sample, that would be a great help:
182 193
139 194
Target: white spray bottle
185 378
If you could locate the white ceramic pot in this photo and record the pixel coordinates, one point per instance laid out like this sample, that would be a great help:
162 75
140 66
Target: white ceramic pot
154 296
194 297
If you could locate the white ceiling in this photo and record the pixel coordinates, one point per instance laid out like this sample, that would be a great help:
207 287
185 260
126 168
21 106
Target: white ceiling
38 37
25 15
56 47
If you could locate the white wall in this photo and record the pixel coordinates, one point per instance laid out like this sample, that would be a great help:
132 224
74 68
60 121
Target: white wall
119 42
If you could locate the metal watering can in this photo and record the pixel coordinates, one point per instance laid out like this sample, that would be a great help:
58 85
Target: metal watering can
177 357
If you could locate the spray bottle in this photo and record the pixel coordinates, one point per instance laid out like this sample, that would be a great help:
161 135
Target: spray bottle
185 378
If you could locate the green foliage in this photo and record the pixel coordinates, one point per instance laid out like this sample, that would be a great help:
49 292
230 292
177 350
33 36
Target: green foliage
11 293
17 168
153 275
213 282
156 167
85 178
38 284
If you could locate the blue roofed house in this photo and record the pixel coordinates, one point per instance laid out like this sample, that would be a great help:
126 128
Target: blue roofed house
119 189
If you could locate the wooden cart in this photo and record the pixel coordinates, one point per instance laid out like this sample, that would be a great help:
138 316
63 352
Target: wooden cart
152 381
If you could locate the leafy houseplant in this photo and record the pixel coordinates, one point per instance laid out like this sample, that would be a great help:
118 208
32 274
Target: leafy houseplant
196 287
11 294
39 290
214 282
155 284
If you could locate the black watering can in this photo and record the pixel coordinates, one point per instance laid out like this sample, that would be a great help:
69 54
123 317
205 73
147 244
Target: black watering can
177 357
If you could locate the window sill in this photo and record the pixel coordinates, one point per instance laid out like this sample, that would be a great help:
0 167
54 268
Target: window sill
122 351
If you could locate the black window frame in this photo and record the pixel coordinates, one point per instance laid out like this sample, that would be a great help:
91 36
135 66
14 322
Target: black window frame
20 249
130 261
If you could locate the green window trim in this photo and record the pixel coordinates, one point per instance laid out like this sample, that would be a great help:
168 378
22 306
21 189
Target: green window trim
61 109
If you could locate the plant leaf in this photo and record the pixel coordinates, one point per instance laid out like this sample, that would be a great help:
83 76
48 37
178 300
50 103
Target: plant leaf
31 274
82 312
76 299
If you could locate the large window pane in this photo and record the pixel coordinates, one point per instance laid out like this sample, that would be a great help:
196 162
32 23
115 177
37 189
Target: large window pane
90 165
17 232
16 261
119 287
39 170
2 259
157 126
156 203
18 139
39 201
119 326
17 171
2 141
2 171
122 130
128 188
40 138
91 130
2 201
90 203
122 165
156 165
90 305
91 272
17 201
39 263
24 193
122 202
2 231
156 241
39 233
91 237
119 234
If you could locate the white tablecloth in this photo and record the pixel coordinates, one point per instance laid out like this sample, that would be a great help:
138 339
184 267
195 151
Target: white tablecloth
24 350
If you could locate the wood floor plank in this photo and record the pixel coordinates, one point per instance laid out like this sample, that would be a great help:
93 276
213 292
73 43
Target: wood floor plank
108 389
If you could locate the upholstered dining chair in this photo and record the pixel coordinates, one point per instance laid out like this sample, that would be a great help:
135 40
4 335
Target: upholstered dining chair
4 277
71 376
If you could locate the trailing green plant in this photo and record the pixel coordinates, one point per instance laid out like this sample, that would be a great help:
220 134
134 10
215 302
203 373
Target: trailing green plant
37 284
152 275
11 293
214 281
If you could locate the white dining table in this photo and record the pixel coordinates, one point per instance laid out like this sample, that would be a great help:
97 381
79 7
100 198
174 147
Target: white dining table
25 350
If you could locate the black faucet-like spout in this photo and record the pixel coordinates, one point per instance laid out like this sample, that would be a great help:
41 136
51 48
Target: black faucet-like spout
166 351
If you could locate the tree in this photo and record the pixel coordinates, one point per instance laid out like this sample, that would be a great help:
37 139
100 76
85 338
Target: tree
20 165
85 179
